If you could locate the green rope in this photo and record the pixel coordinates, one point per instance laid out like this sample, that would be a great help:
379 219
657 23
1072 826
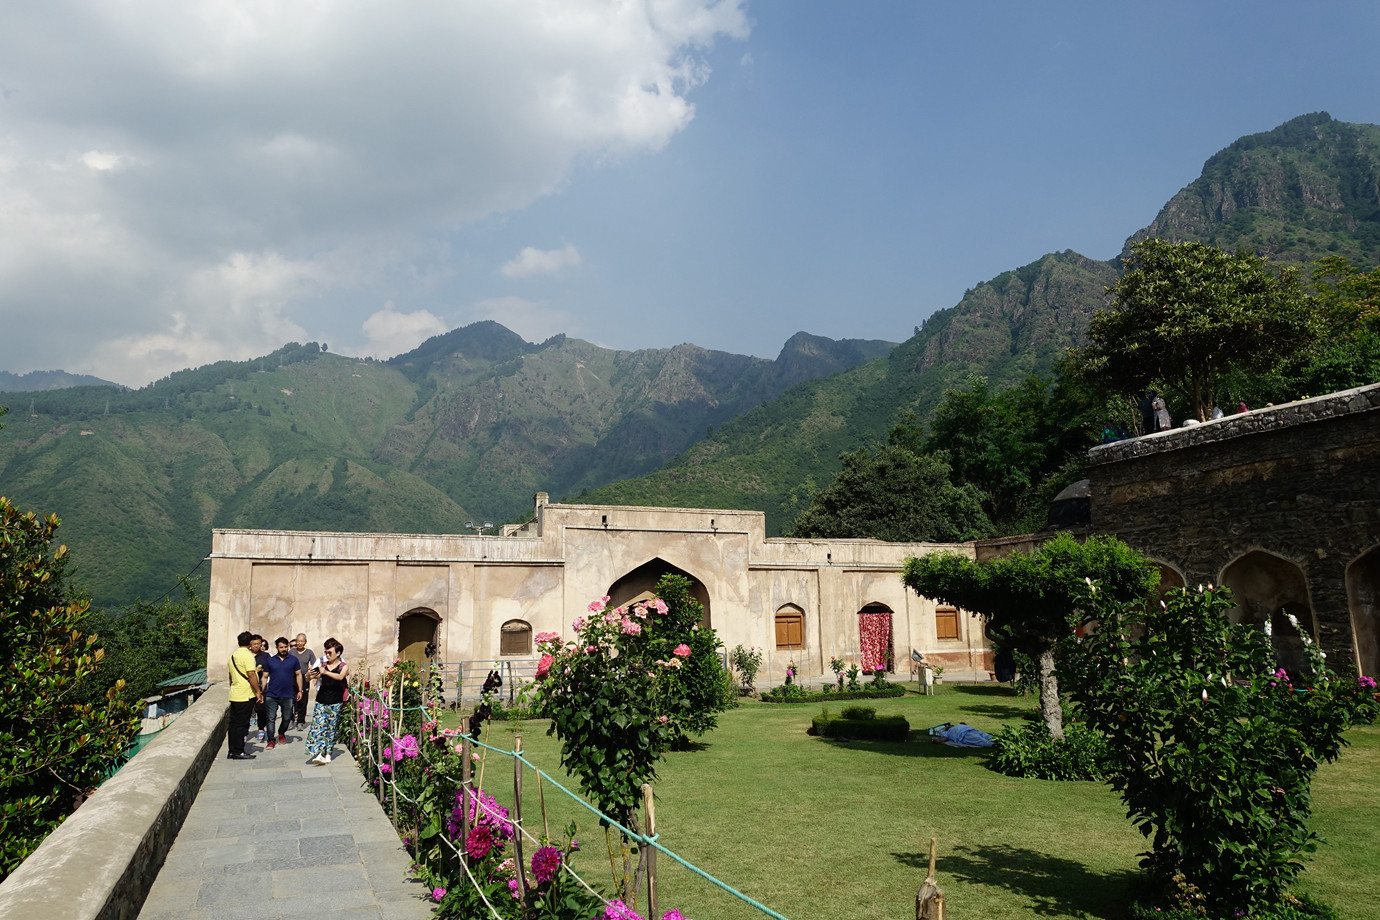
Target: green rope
641 838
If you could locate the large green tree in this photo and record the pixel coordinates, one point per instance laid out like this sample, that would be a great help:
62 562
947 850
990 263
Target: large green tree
1028 599
54 751
897 493
1187 314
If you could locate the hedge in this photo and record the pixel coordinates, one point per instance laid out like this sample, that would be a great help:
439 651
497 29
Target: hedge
881 694
885 728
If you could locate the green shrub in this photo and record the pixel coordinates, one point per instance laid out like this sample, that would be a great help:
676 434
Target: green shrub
860 712
1215 744
800 696
1030 752
885 728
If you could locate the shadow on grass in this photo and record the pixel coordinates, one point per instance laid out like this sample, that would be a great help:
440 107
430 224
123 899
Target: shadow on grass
918 745
997 710
1055 886
1000 690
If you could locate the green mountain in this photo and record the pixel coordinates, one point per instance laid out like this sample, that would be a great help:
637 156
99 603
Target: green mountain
467 426
1308 189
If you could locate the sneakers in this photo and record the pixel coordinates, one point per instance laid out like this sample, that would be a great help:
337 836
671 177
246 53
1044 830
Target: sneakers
282 739
240 756
270 744
321 759
261 734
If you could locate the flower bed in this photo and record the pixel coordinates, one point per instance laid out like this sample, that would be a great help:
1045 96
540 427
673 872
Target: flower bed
891 691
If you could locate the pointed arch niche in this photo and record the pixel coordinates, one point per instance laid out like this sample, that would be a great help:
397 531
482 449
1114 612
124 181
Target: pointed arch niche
1270 587
417 629
1363 596
640 585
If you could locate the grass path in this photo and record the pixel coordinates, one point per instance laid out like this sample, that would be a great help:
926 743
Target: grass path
820 829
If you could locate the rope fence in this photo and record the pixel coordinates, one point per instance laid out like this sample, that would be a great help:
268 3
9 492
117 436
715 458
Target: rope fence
386 736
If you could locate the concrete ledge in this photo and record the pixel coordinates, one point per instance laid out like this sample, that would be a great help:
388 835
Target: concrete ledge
100 863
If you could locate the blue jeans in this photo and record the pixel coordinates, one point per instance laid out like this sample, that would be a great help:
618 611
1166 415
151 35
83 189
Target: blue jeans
275 705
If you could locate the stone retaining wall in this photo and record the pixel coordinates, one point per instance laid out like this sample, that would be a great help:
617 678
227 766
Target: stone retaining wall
100 863
1298 483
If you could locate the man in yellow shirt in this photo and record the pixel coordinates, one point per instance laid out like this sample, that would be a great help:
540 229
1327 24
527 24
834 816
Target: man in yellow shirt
244 693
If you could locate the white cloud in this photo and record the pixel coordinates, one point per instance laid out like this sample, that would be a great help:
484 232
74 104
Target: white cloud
541 262
299 137
533 320
392 333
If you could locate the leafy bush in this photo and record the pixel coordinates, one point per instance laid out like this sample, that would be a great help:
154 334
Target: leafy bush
1030 752
1215 746
883 728
860 712
747 662
54 749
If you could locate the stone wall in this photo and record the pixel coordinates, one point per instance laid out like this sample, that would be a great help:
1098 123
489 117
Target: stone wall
1282 504
100 863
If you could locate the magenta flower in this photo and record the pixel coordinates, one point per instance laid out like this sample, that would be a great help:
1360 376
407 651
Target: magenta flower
479 841
437 894
385 768
1366 683
681 651
546 862
673 915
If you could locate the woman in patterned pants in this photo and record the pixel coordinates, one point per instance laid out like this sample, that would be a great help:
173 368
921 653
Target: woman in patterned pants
330 700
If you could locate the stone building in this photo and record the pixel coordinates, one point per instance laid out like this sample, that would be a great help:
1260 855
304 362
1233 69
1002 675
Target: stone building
1281 504
481 599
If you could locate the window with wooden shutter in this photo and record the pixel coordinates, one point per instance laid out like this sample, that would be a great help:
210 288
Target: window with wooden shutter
946 623
515 638
790 627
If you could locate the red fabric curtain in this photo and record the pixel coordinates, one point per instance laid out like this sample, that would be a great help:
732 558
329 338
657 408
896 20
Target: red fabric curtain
874 632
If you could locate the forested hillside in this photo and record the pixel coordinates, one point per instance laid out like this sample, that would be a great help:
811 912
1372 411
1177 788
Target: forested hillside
467 426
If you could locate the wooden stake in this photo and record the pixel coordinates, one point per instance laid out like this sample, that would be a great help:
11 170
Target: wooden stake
541 797
929 901
649 810
517 821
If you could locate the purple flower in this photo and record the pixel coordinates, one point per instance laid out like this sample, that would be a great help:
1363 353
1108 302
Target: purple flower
437 894
1366 683
546 862
673 915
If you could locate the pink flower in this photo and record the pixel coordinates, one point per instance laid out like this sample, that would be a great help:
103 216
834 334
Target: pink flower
681 651
617 910
662 720
385 768
546 862
544 665
600 604
513 888
589 650
578 624
660 605
543 637
437 894
630 628
673 915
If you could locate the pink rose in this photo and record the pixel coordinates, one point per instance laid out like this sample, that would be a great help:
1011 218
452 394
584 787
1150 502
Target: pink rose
544 665
681 651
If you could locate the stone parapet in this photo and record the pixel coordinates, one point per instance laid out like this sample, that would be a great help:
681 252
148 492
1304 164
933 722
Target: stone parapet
101 862
1272 419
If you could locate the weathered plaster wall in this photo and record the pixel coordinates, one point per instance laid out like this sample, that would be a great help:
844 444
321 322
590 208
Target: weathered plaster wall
356 587
1300 482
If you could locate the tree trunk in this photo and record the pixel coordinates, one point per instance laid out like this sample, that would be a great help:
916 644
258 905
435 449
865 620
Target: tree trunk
1049 695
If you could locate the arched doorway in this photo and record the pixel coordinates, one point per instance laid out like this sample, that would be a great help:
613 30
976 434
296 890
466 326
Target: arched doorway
416 630
875 638
640 585
1363 596
1270 588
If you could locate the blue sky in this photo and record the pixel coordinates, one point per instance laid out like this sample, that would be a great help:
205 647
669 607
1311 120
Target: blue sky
192 182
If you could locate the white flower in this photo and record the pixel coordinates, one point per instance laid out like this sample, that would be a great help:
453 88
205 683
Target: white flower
1204 694
1163 605
1269 628
1224 683
1293 620
1322 654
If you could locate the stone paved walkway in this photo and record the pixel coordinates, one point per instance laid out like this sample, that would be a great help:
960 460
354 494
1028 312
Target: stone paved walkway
276 837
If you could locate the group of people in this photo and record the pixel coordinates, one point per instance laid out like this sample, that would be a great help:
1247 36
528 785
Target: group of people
277 688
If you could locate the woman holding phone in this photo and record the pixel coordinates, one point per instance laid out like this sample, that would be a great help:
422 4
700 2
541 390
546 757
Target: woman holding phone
330 698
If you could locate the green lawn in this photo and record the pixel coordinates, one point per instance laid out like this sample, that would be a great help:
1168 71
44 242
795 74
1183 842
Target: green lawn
819 829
